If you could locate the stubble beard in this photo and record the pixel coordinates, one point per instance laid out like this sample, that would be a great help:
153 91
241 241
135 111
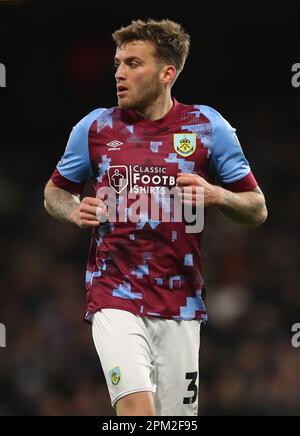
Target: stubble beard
149 93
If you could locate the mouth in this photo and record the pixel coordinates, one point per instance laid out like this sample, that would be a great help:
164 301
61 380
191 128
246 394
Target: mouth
121 91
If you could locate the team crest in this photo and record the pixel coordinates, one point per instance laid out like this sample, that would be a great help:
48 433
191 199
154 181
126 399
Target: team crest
115 375
185 143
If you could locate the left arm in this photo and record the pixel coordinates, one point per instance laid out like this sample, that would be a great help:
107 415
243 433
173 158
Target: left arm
245 208
241 200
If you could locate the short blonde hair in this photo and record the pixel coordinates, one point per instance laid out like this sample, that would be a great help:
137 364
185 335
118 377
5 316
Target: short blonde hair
170 40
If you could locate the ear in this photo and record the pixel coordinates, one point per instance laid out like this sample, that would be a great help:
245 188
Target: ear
168 74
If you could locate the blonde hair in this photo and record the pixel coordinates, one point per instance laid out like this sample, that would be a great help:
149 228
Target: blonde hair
170 40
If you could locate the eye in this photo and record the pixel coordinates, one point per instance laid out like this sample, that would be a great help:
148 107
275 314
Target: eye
134 64
116 65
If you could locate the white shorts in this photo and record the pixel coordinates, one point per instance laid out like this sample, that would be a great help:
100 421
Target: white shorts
149 354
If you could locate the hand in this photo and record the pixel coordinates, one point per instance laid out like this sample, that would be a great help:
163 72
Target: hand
89 213
194 196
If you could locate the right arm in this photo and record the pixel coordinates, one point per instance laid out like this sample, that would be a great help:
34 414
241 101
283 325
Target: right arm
67 207
62 192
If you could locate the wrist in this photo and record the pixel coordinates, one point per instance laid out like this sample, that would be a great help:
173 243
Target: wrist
218 196
74 215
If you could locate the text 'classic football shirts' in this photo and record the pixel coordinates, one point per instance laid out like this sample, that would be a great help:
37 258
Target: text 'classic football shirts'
150 267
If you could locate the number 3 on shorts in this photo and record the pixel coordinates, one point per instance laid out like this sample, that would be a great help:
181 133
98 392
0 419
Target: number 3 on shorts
191 387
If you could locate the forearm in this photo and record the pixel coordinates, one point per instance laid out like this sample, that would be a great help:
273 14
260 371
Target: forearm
60 204
245 208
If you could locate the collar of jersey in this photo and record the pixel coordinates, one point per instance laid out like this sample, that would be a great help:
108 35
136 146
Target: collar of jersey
132 117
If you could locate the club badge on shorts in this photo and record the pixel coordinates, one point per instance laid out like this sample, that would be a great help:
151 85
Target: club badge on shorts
115 375
185 143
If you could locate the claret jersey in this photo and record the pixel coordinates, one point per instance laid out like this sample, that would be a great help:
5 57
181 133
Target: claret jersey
148 266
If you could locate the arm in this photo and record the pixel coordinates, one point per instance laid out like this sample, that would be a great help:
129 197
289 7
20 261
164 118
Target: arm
241 199
60 203
66 207
246 208
62 192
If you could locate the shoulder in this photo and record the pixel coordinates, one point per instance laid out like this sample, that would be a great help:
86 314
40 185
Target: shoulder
218 122
89 119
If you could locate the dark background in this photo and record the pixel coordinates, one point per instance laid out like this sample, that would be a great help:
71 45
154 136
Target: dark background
59 62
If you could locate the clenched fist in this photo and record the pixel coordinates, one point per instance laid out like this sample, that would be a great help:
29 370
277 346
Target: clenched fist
90 212
187 185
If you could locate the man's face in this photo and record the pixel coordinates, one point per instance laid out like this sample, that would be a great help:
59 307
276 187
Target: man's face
137 75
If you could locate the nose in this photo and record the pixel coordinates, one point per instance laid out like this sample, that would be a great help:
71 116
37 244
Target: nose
120 73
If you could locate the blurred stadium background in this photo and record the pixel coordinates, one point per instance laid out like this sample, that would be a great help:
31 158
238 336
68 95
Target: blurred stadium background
59 63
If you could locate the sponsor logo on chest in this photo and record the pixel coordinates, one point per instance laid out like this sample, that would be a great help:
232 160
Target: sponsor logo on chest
153 178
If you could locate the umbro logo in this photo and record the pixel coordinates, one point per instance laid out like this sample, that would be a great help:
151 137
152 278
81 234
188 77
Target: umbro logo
114 145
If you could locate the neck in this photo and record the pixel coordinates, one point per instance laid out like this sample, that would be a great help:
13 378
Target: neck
158 109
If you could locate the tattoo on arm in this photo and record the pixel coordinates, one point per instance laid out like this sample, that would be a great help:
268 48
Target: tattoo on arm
60 203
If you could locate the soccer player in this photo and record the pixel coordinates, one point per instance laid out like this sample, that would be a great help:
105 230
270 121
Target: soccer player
144 280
